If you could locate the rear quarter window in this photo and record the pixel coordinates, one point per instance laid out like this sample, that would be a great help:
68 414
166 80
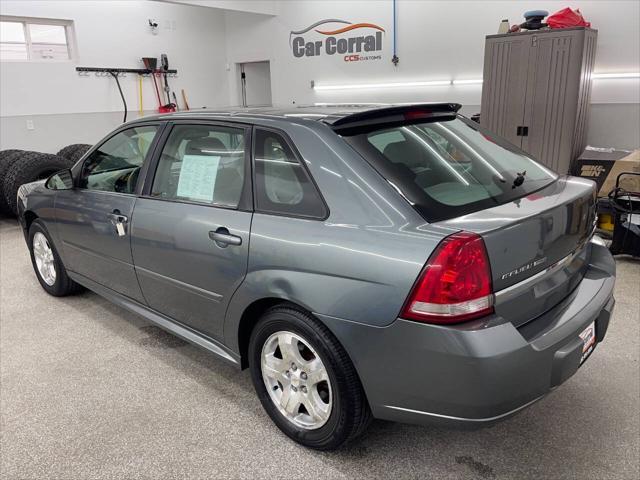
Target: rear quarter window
282 184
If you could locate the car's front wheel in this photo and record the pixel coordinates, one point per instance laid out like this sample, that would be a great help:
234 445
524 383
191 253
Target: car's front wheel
305 380
47 263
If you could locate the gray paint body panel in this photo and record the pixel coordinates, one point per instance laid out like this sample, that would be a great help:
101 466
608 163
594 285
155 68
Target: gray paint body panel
474 374
182 272
90 242
529 235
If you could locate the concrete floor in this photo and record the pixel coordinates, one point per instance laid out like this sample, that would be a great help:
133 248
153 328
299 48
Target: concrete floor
89 390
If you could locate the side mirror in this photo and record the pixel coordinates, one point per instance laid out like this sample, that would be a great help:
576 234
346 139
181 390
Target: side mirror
62 180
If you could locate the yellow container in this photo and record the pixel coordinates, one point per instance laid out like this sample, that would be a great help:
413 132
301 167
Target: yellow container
605 221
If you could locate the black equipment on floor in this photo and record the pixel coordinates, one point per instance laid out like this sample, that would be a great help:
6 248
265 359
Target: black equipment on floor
626 220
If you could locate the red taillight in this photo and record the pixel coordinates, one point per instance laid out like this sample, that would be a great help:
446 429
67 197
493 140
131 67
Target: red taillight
455 284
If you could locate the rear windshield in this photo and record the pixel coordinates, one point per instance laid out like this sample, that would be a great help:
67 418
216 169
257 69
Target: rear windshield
450 168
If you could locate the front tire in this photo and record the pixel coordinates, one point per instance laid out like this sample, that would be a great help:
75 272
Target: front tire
47 263
305 380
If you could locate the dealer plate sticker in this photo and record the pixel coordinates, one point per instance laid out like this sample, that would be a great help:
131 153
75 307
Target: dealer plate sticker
588 337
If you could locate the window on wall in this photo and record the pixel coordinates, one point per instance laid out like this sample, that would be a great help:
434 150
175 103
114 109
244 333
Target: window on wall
35 39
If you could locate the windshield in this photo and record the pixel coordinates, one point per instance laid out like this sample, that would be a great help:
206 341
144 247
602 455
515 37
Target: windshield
450 168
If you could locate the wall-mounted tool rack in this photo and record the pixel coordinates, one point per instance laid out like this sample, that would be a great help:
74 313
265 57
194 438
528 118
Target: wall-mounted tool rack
121 72
118 71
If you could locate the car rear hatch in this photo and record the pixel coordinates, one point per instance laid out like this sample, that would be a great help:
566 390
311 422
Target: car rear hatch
537 246
458 176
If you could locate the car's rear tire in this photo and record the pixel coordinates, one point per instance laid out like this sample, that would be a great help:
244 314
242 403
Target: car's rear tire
320 402
29 167
74 152
47 263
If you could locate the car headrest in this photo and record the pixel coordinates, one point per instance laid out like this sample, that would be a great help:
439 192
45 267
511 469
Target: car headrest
405 152
205 146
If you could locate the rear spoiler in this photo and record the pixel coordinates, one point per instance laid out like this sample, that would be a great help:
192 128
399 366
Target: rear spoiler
382 117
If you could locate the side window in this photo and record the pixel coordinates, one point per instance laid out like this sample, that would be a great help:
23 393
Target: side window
115 165
202 163
282 183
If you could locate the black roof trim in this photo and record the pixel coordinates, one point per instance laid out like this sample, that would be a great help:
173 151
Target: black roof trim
390 111
387 117
330 114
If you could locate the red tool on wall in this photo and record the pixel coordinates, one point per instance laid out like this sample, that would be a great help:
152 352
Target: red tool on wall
151 63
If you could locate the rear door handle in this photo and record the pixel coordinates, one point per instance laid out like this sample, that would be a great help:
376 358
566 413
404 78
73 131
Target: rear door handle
222 237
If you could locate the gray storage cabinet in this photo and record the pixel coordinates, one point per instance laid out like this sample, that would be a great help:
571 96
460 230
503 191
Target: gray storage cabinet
536 91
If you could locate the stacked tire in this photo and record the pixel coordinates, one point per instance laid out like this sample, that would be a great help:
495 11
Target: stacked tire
7 159
74 152
18 167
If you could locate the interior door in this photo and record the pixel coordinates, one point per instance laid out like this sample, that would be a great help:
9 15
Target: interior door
190 234
93 219
255 78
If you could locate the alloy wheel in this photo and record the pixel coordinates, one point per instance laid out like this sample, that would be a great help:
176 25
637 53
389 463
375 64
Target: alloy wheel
297 380
45 262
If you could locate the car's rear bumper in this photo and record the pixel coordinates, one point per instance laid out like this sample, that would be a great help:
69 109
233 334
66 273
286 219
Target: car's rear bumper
420 373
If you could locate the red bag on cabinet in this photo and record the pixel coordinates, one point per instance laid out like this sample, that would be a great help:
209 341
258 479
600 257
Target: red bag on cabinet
567 18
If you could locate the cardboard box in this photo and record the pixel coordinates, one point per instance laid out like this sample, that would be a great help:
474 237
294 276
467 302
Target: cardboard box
603 165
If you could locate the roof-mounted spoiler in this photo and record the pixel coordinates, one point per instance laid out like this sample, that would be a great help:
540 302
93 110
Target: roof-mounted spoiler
377 118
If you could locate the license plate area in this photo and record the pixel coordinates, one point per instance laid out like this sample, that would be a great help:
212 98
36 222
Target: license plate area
588 336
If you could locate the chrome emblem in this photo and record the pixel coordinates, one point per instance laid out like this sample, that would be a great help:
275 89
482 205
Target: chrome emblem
524 268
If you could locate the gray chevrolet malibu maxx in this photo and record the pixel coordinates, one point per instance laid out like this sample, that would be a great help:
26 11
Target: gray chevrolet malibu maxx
396 262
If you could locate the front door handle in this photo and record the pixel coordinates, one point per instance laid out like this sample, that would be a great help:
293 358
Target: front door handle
117 217
119 221
222 237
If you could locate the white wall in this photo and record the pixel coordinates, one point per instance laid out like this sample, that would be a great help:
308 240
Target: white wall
52 132
116 34
436 40
266 7
250 38
109 34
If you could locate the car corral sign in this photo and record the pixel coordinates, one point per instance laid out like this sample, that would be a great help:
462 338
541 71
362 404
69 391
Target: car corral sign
354 42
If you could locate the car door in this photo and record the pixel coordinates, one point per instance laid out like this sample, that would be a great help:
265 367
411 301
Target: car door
93 219
190 233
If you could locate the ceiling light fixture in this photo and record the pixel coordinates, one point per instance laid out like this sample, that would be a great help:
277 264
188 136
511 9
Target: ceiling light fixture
600 76
440 83
471 81
430 83
347 104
